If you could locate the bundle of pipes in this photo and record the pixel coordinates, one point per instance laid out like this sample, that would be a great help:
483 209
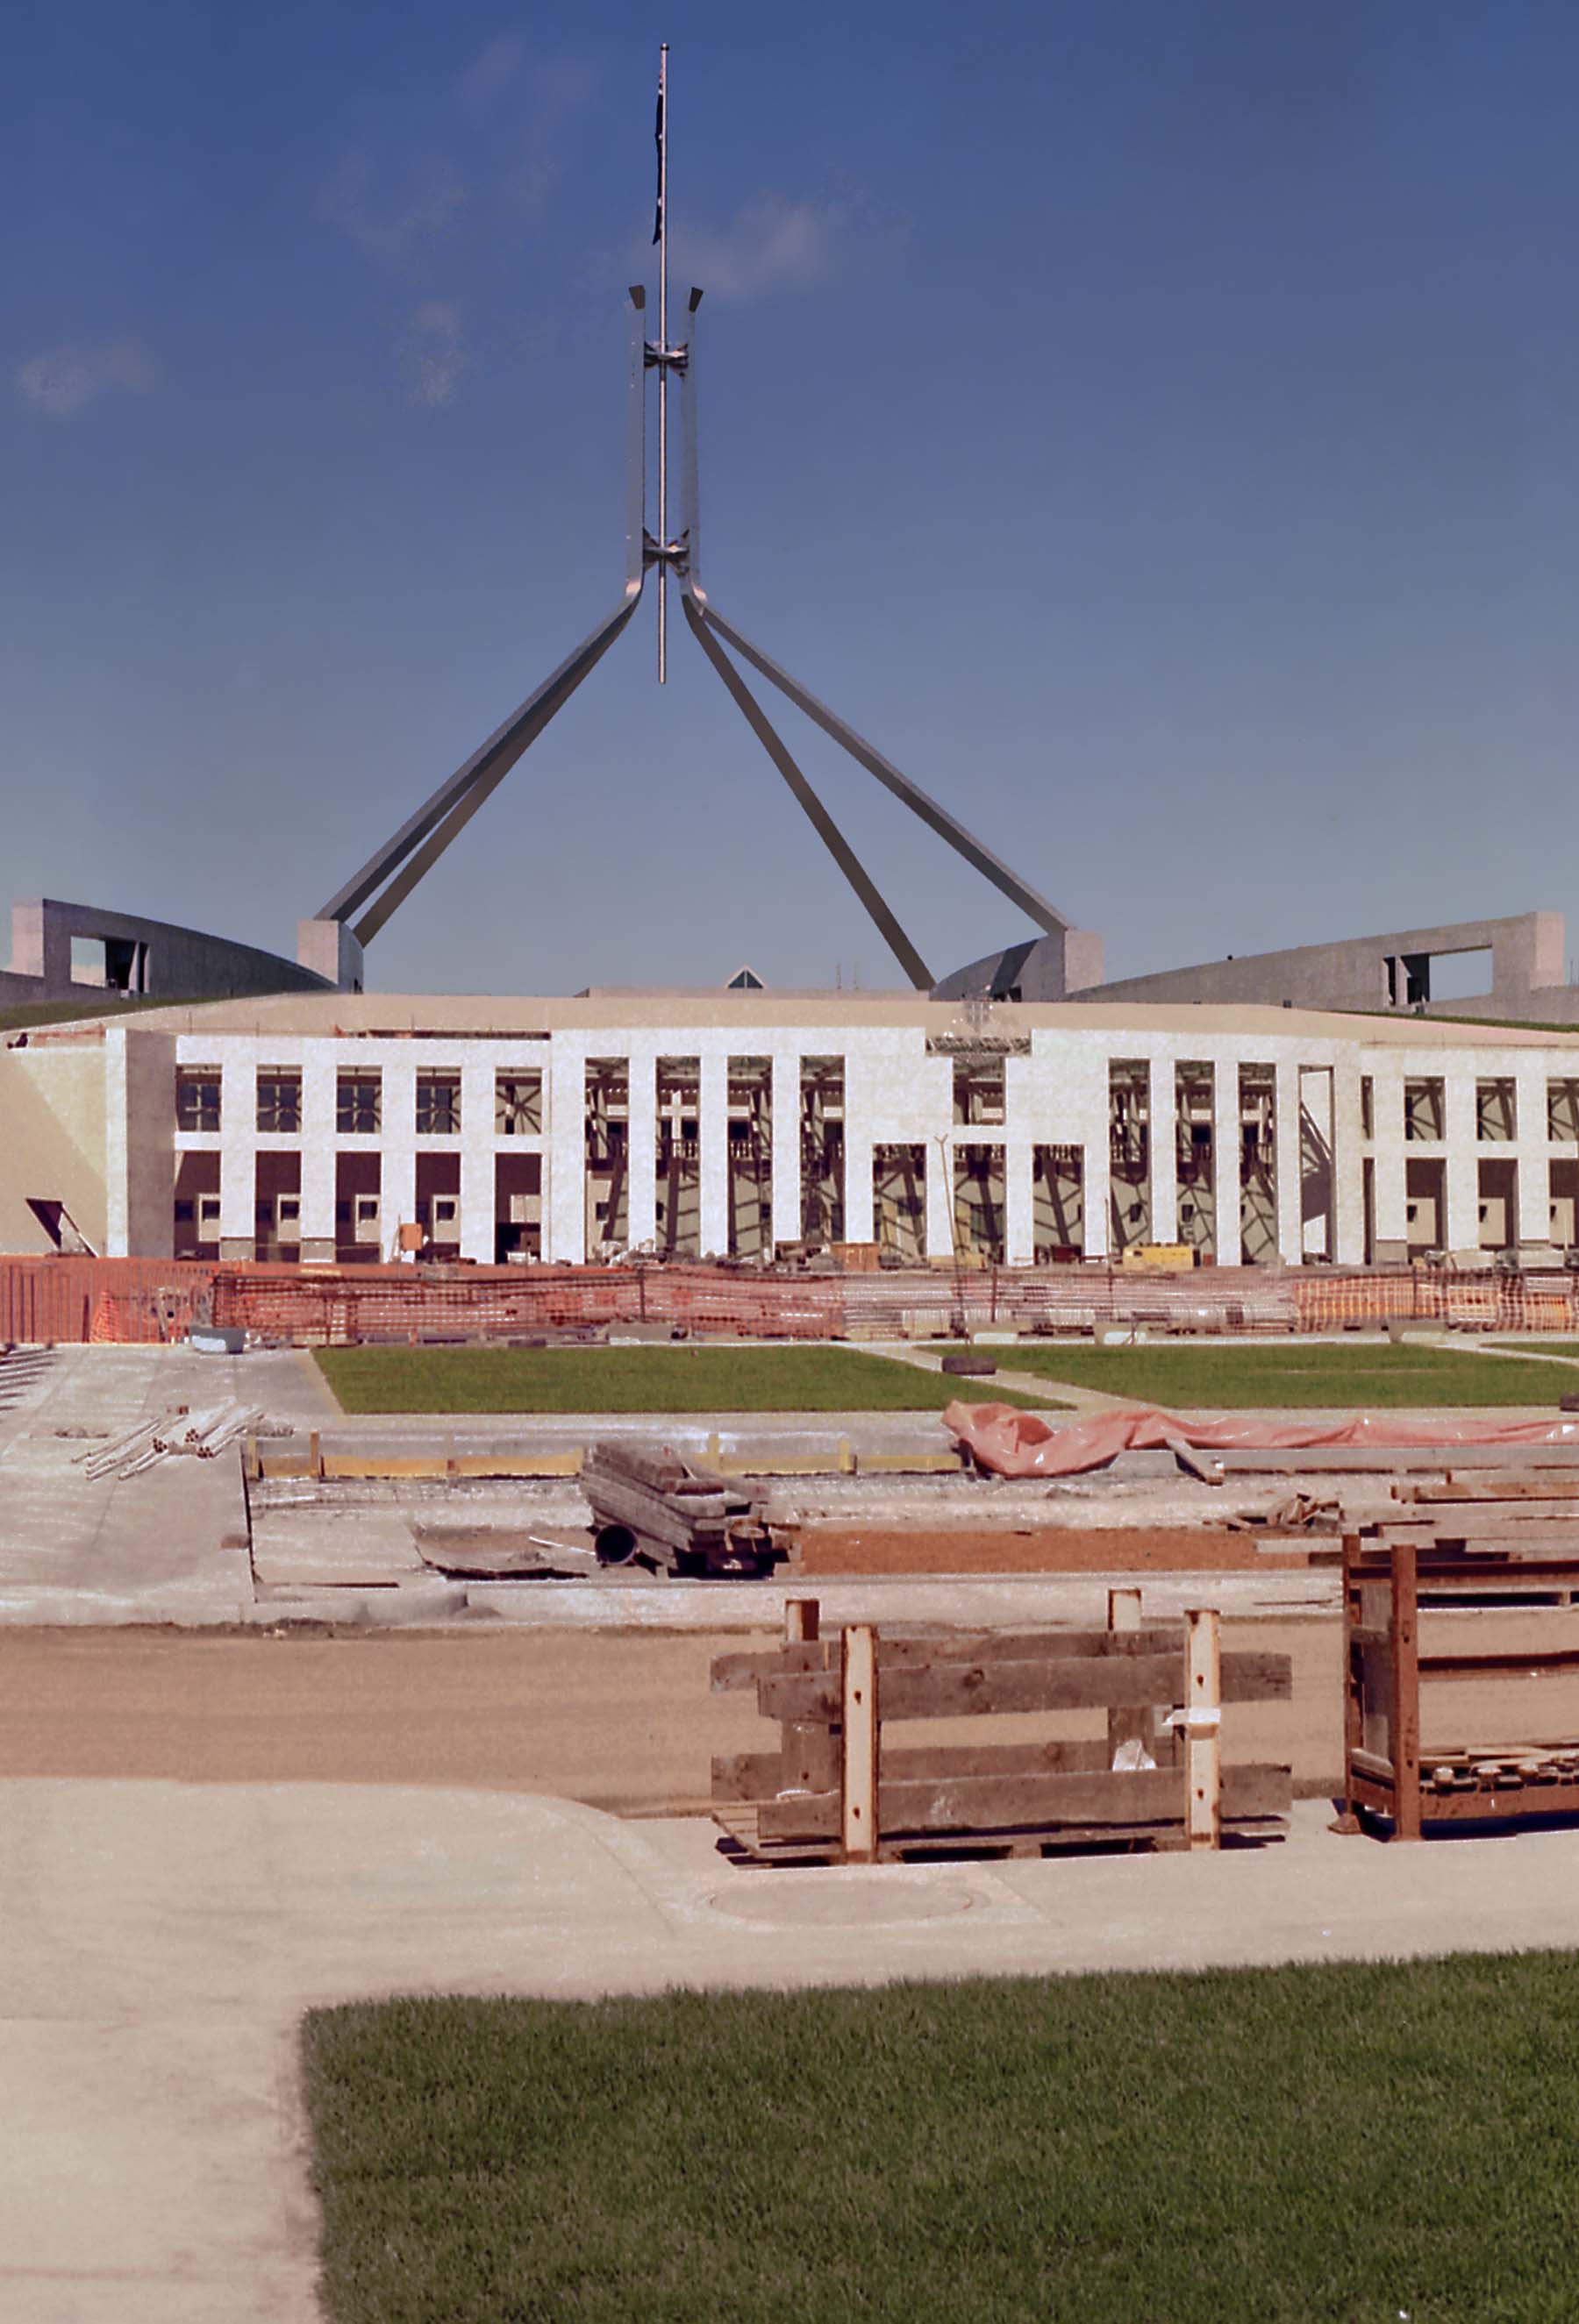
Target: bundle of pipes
202 1435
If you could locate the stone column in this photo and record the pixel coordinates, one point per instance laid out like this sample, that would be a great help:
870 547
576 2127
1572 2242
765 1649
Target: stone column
1534 1154
238 1129
118 1132
1348 1169
317 1155
1162 1145
565 1204
712 1129
786 1147
477 1238
1461 1231
1286 1129
641 1145
1226 1144
858 1207
397 1177
1019 1208
1090 1128
1390 1155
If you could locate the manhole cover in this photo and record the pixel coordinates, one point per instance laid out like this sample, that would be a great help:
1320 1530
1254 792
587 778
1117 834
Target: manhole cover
880 1899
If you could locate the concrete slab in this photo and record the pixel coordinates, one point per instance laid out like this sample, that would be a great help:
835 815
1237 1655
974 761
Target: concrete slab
171 1543
365 1538
161 1941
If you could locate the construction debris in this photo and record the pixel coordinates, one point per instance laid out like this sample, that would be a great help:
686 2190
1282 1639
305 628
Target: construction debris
201 1435
682 1519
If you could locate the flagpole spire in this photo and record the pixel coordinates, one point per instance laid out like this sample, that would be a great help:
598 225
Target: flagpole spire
662 239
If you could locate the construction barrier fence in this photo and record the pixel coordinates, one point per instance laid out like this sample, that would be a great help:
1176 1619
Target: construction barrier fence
146 1301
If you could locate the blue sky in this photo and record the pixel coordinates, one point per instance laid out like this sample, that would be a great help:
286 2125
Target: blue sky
1154 426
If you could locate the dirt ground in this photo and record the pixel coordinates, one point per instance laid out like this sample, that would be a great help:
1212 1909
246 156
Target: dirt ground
622 1721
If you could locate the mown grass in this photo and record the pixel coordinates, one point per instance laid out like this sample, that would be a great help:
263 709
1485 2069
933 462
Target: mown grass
1370 1376
639 1380
1364 2142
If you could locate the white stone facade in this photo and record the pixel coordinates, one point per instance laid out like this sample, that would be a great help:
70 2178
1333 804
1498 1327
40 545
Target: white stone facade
1340 1180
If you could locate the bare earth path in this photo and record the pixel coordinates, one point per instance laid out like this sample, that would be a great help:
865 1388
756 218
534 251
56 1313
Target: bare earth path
624 1722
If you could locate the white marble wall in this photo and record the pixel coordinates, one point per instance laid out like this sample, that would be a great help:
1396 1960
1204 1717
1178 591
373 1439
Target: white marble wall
894 1093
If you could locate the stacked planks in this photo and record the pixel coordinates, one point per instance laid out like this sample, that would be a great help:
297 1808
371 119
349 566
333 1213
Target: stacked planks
680 1519
836 1788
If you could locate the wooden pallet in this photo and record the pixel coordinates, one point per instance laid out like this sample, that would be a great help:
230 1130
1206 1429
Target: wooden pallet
1488 1569
834 1791
745 1842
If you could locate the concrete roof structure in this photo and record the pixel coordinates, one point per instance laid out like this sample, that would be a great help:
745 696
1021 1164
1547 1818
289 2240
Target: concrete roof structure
456 1016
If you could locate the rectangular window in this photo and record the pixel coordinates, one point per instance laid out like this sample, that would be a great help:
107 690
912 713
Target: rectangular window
1563 1111
358 1104
822 1149
439 1102
279 1098
518 1105
978 1091
1496 1111
1367 1107
197 1097
1424 1111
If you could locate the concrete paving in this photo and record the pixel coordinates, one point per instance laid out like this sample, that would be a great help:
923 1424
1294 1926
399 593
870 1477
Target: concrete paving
168 1545
178 1545
162 1941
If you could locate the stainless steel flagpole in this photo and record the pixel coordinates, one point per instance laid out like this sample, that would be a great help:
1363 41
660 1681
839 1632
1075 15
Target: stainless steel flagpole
663 359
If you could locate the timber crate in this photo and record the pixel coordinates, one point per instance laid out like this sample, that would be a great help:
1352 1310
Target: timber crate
837 1791
1472 1580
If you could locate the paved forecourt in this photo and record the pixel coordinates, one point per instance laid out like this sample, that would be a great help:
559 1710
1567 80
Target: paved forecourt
163 1940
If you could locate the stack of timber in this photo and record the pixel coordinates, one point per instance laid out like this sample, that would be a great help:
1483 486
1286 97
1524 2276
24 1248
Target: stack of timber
1488 1566
837 1791
682 1519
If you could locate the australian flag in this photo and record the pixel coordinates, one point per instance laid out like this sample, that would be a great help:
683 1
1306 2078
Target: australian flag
658 141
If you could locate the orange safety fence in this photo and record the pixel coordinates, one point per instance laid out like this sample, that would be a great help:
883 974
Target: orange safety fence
146 1301
1330 1301
140 1301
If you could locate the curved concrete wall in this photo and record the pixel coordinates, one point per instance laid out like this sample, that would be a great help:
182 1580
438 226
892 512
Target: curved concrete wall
143 957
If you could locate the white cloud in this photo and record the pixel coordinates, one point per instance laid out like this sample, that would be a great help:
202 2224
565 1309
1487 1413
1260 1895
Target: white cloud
438 352
493 68
555 94
68 379
387 222
773 243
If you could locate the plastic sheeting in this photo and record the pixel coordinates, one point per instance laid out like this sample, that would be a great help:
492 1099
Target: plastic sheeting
1015 1444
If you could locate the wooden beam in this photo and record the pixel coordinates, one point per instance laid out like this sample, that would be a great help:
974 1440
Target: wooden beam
756 1775
858 1757
1203 1726
1129 1725
745 1669
1404 1738
947 1691
807 1758
994 1803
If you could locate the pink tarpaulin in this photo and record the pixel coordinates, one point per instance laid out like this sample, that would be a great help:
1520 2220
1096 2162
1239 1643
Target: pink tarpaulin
1015 1444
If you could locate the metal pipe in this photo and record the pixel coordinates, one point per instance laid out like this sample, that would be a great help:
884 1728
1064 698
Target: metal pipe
821 821
662 357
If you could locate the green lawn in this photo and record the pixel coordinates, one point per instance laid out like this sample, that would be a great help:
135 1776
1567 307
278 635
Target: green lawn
1362 2143
1369 1375
639 1380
